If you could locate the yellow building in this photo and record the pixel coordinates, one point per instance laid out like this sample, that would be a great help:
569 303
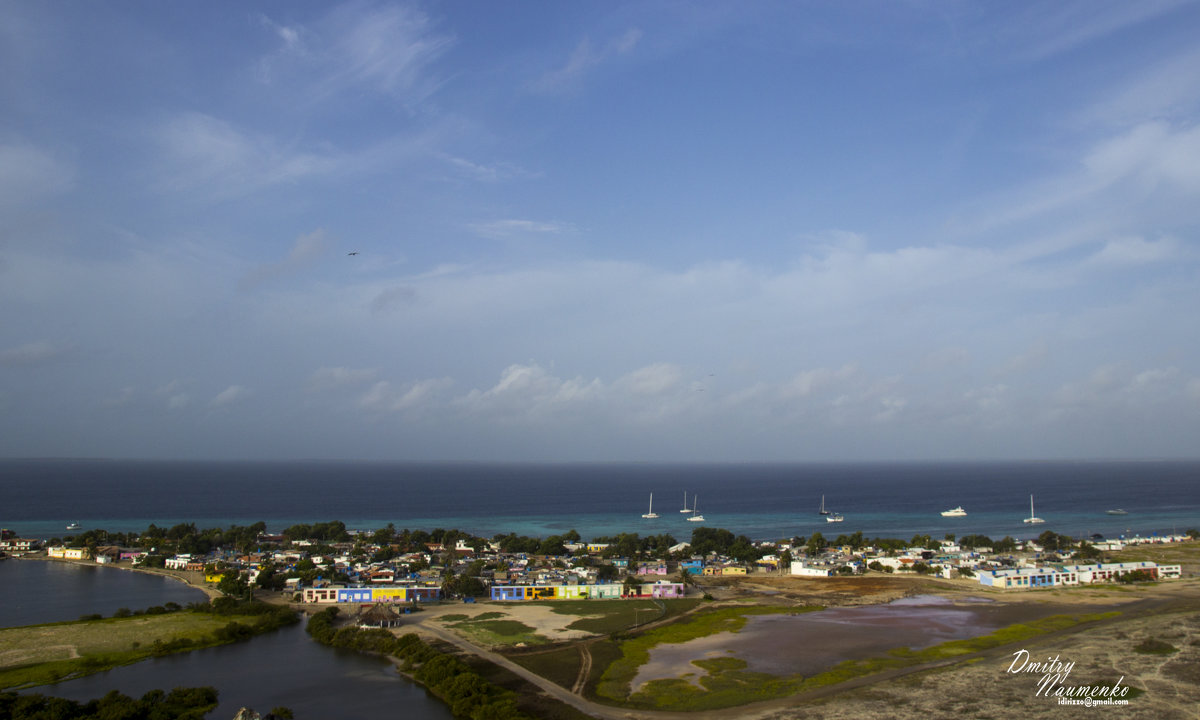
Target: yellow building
67 553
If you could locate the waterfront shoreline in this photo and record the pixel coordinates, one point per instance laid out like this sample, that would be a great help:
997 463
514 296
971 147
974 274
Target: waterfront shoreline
191 579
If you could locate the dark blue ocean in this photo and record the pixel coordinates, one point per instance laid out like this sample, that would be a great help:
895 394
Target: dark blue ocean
38 498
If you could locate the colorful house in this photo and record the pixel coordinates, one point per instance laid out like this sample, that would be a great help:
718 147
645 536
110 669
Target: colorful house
556 592
393 594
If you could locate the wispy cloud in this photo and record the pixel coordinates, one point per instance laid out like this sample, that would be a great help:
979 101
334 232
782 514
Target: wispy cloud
488 173
1044 31
358 46
329 378
513 227
29 175
584 58
32 354
205 152
229 395
305 251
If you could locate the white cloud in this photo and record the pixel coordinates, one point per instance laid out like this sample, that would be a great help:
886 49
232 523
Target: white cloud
386 49
511 227
1163 91
652 380
30 175
229 395
328 378
809 381
1151 153
31 354
529 392
584 58
205 152
1047 30
488 173
1136 251
304 251
383 396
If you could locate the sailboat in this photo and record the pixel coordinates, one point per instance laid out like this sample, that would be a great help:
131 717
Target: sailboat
685 509
650 514
822 511
696 517
1033 519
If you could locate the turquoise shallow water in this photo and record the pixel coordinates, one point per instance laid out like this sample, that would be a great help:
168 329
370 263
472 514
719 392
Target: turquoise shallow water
761 501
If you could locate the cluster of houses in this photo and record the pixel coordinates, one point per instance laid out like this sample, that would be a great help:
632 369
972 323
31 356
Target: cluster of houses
1064 575
419 576
1033 568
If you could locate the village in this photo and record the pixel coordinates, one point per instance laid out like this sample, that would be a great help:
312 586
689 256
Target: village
360 567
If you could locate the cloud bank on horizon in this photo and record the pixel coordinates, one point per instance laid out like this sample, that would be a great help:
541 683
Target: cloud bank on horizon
628 231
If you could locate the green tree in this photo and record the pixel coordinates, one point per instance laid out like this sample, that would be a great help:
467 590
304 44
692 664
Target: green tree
816 544
233 584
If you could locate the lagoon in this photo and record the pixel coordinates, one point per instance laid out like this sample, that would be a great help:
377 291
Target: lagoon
45 591
281 668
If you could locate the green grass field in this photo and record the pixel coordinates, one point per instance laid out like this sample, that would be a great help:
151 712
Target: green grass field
498 632
63 641
608 616
40 654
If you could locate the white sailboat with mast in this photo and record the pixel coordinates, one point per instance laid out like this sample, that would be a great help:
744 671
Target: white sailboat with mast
822 510
685 509
1033 519
696 516
650 514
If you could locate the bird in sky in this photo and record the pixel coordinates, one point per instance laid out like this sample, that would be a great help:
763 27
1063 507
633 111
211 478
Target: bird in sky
355 252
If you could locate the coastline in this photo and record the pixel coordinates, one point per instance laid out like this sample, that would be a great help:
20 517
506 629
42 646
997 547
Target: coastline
191 579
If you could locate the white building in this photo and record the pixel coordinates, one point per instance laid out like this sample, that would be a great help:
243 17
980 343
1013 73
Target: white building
799 568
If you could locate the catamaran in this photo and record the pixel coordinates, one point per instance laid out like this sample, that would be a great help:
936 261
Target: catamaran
696 517
650 514
1033 519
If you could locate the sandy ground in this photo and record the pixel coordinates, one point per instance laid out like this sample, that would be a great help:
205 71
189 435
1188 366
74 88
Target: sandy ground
543 620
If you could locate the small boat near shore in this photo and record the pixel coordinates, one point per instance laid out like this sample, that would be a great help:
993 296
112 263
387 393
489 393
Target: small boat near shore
956 512
74 526
1118 511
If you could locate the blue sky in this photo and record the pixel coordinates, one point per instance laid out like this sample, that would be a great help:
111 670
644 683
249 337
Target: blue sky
600 231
